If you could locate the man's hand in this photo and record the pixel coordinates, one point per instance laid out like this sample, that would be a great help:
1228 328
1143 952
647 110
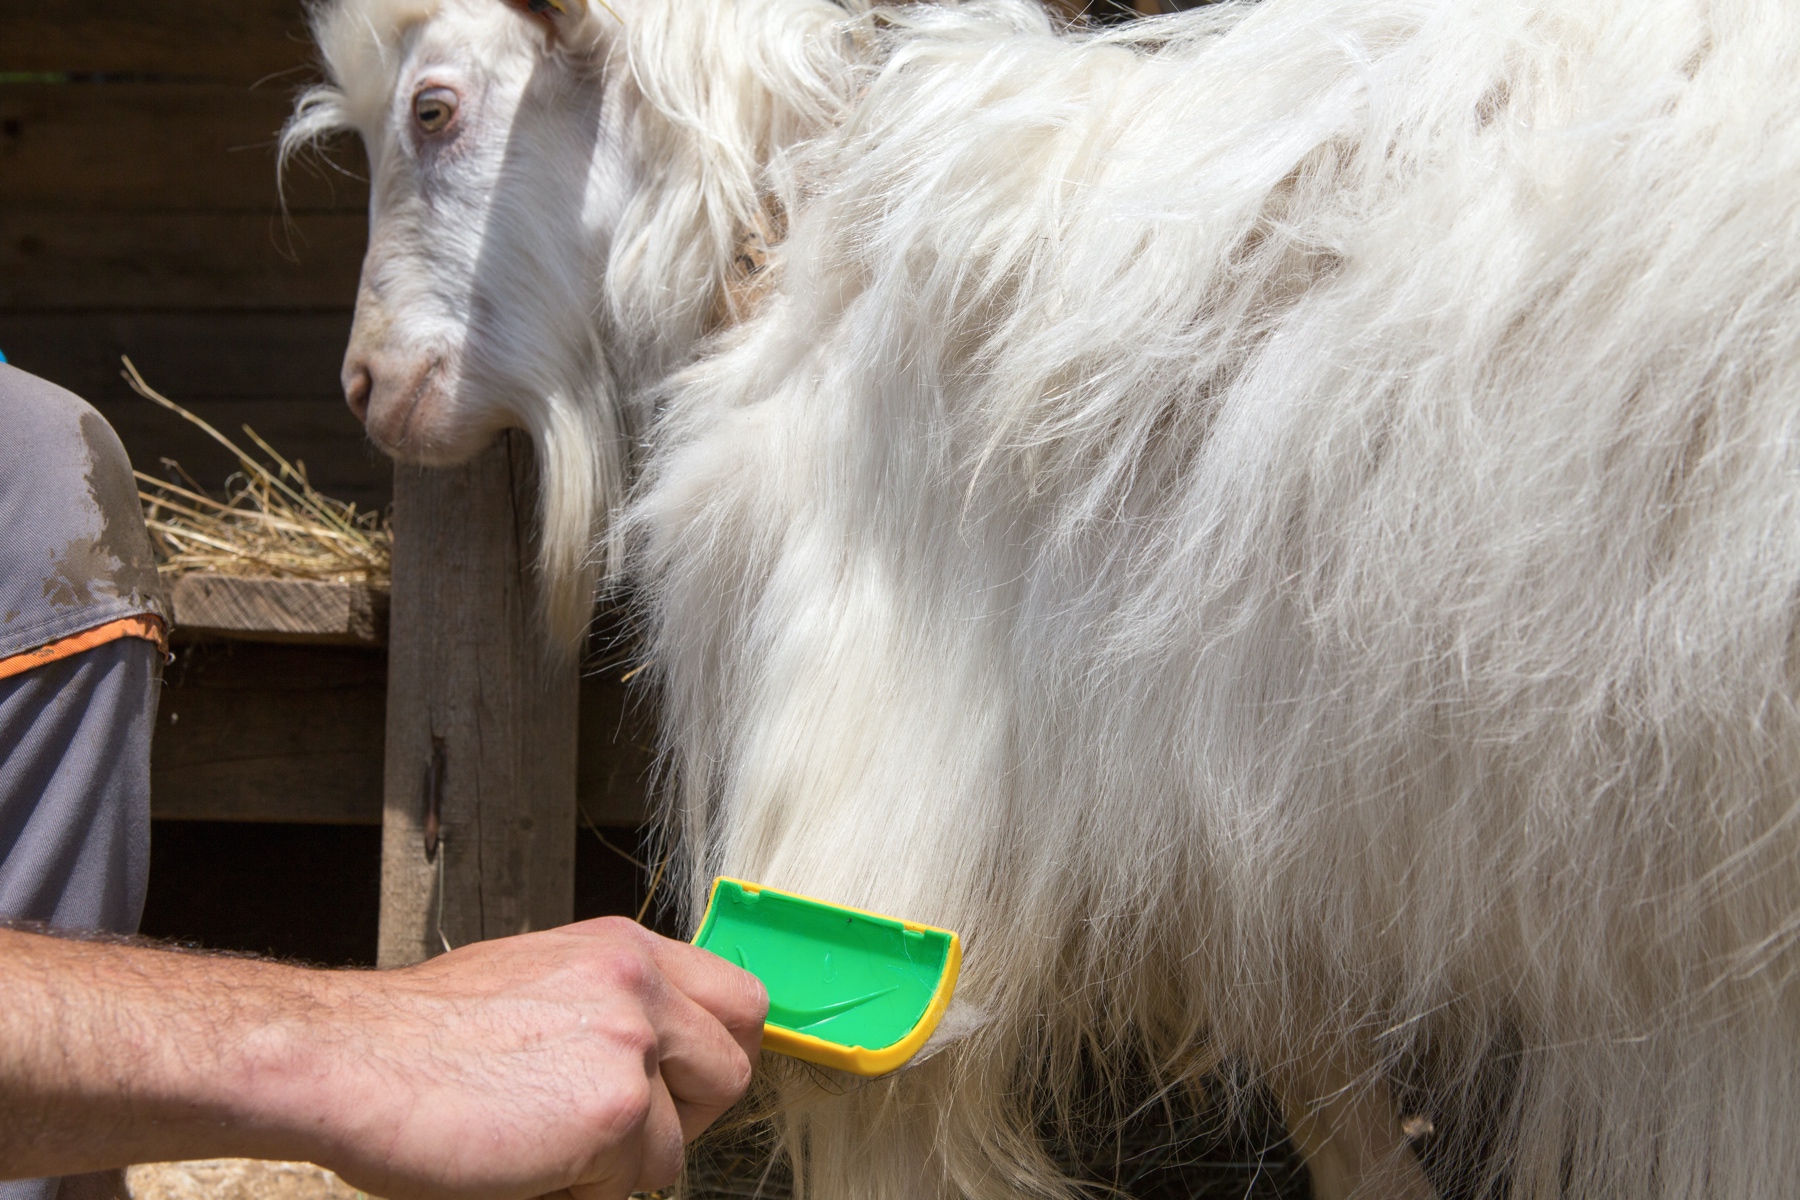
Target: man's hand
578 1058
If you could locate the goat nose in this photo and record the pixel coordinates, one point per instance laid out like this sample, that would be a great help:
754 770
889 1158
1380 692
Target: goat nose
358 383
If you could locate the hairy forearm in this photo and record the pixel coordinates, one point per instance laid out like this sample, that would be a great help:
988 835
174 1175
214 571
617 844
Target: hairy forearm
115 1054
572 1058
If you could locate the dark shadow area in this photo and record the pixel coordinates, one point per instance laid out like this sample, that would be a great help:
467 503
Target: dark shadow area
1459 1147
307 892
614 867
1115 12
313 892
1198 1147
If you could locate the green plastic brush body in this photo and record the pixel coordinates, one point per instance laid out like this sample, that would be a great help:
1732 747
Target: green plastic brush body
847 988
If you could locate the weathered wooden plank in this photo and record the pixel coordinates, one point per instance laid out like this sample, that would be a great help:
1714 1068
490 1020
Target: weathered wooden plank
281 610
249 732
218 41
157 147
187 356
269 733
333 784
276 372
478 821
53 259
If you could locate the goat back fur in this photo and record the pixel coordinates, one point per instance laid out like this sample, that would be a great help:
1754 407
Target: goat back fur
1282 525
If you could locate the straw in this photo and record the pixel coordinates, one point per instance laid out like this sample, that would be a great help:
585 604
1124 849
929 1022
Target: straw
272 522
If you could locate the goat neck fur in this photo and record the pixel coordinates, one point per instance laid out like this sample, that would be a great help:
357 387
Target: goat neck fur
1282 524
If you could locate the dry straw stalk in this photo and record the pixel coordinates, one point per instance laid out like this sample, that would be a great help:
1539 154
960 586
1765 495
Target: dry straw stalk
272 523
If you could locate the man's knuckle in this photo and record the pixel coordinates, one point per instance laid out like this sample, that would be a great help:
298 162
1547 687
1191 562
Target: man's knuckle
637 1040
628 969
621 1112
623 928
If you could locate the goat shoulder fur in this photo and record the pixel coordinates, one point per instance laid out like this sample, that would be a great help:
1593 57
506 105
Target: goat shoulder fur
1283 525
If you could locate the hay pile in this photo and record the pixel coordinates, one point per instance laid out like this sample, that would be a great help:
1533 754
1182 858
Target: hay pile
272 522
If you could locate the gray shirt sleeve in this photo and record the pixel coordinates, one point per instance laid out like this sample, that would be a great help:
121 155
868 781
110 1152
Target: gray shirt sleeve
74 730
73 551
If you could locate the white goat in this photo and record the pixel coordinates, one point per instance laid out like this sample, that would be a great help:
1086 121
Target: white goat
1281 523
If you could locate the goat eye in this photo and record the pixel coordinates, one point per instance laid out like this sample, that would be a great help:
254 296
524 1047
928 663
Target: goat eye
433 108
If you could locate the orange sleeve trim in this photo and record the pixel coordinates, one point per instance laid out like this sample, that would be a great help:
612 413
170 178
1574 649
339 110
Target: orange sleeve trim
144 626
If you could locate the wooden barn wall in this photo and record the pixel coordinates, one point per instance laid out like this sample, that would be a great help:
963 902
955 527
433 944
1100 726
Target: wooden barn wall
139 215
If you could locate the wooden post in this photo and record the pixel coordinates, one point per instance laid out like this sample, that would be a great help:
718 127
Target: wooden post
478 819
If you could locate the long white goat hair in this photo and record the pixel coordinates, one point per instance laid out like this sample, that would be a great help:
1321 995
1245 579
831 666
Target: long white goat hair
1283 525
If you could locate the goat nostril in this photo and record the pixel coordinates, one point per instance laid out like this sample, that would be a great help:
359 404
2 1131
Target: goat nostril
358 383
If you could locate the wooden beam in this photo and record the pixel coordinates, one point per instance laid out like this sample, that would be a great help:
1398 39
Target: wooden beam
158 147
269 733
229 356
54 259
478 820
221 41
266 732
281 610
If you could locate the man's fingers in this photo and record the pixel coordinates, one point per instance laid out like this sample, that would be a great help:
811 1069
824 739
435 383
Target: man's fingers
734 997
707 1017
663 1139
705 1067
646 1155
